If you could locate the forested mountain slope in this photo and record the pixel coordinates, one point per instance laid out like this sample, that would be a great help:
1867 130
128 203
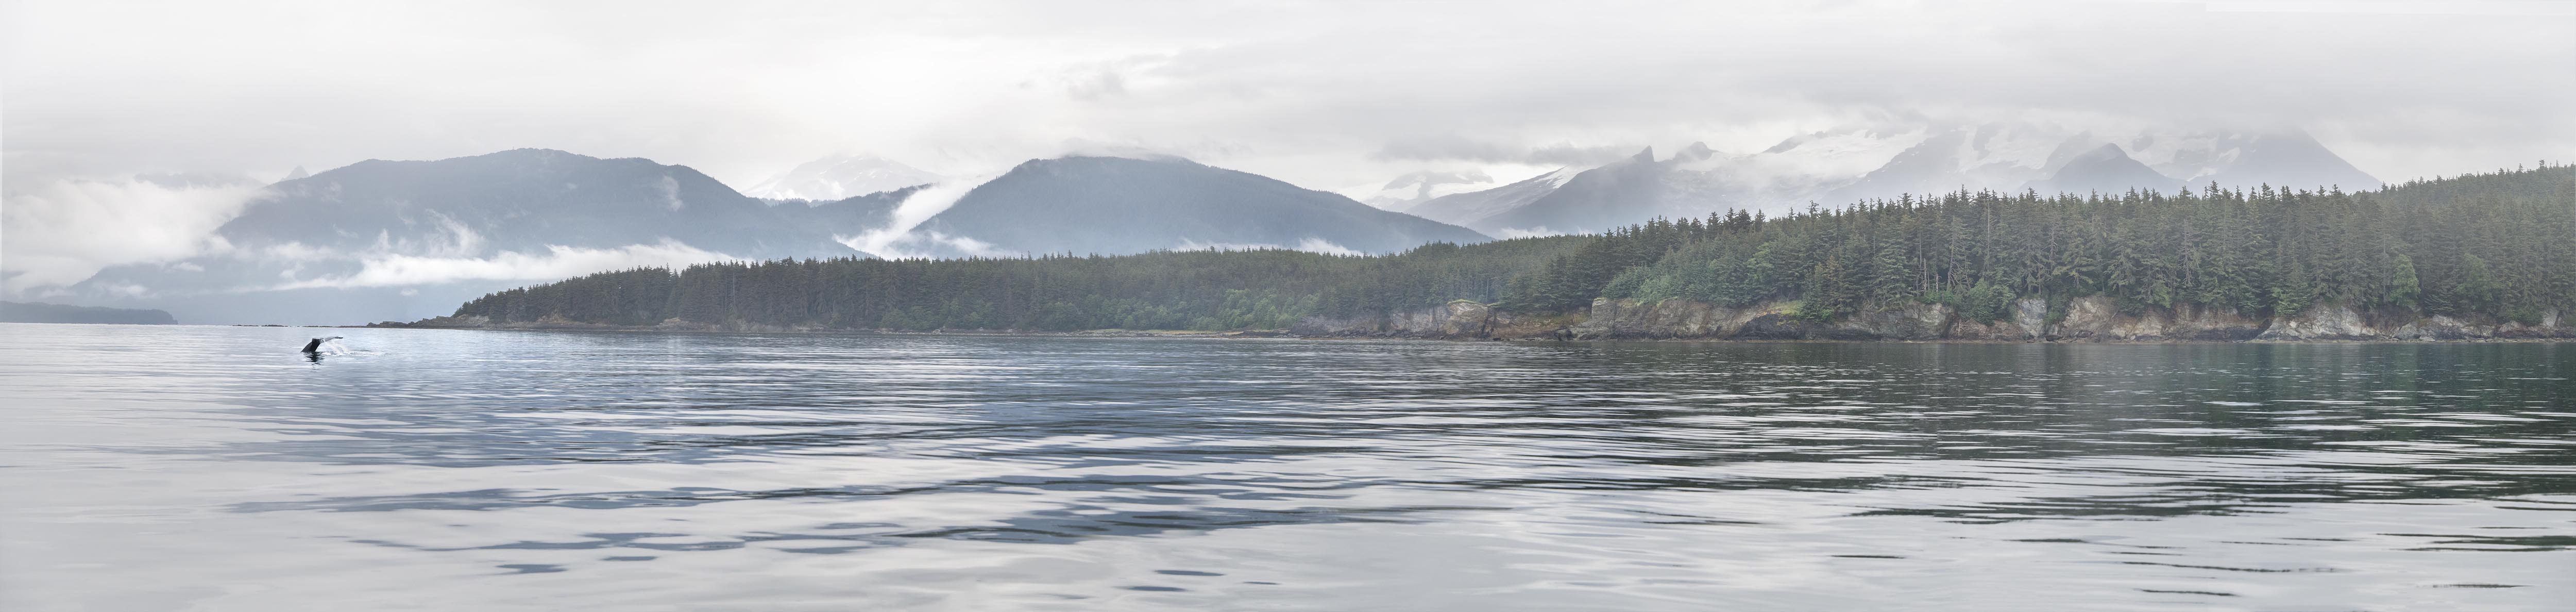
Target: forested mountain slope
1204 290
2473 256
2501 245
2497 248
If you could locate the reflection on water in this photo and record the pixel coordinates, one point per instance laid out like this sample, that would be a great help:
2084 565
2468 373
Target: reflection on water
168 467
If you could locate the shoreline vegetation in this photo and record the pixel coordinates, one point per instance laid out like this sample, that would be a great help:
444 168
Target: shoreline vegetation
1286 334
2473 257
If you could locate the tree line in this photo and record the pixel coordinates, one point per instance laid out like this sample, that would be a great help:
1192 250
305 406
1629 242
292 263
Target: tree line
2499 246
1177 290
2496 246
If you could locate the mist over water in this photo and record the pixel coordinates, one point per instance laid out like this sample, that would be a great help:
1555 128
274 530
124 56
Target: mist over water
218 468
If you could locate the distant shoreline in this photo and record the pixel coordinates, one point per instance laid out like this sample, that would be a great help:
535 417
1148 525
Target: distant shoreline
1288 335
58 314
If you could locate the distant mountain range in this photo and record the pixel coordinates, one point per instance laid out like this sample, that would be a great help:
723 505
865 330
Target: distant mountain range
1838 167
381 240
2103 169
526 200
1086 205
402 240
1473 208
40 312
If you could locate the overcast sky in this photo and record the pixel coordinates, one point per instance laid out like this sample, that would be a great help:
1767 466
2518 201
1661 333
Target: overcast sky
1330 96
1318 94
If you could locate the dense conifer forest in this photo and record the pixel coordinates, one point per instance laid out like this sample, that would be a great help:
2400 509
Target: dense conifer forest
2495 246
1178 290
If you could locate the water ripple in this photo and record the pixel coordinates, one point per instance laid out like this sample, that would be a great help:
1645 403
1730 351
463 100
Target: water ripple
194 466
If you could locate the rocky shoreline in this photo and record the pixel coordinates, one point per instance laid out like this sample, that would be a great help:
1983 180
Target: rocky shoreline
2091 319
680 326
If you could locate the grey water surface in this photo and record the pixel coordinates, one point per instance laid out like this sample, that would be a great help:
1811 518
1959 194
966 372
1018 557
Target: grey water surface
215 468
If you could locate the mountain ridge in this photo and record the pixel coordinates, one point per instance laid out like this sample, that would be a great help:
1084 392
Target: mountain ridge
1864 163
374 236
1120 205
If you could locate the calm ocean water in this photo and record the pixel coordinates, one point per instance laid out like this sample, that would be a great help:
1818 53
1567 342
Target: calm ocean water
214 468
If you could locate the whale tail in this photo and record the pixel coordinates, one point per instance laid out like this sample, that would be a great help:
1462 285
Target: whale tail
316 345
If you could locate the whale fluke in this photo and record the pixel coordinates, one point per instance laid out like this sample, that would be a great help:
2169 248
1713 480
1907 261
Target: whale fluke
316 345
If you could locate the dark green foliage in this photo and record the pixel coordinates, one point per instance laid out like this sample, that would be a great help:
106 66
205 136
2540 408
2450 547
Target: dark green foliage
1987 302
1199 290
2402 286
2499 246
1829 293
2496 246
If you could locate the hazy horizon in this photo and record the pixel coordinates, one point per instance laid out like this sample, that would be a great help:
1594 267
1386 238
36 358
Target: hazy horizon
1149 305
1342 98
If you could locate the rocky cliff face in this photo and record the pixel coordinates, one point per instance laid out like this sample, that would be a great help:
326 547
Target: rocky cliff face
1462 319
2091 319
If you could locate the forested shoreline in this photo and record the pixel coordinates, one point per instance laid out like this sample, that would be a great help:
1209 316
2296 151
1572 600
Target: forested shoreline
2495 246
1173 290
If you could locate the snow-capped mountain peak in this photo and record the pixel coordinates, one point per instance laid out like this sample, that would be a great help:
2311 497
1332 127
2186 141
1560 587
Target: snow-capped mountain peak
1842 166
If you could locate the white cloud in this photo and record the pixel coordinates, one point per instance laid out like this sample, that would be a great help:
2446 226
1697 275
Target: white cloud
61 232
1534 232
670 189
1319 245
891 241
1193 245
292 252
1310 244
558 262
969 246
1333 96
1302 92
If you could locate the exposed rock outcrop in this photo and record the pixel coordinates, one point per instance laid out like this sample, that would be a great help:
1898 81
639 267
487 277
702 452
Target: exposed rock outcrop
1633 318
1456 319
2095 318
2088 319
